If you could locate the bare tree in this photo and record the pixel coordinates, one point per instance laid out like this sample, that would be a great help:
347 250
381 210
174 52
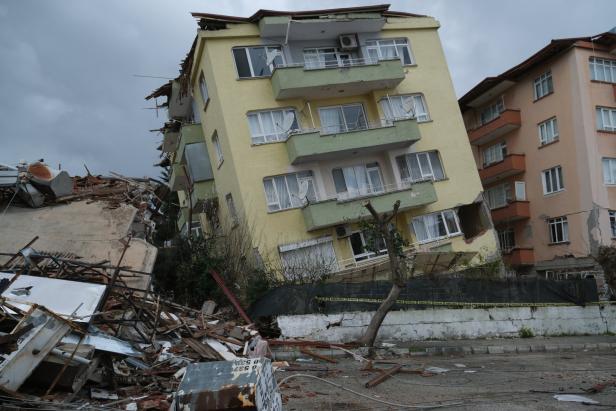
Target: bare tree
397 265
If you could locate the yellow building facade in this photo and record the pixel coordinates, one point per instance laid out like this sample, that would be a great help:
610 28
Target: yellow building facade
306 116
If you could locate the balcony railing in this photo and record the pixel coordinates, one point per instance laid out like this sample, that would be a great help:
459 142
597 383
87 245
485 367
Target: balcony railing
519 256
309 80
334 141
336 210
507 121
514 211
511 165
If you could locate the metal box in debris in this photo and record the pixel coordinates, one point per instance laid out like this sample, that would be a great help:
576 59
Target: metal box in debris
242 384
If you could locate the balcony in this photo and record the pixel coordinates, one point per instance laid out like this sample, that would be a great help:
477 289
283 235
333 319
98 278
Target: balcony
189 134
313 145
201 192
511 165
519 256
507 121
334 212
514 211
170 141
356 78
178 179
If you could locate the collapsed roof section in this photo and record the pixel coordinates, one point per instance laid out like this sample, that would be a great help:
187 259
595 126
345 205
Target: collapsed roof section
492 86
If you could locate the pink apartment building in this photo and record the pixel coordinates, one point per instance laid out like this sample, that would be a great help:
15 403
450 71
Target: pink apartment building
544 138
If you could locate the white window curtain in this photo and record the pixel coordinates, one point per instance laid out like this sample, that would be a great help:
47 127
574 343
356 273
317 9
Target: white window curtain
494 153
420 166
272 125
548 131
435 226
498 196
340 119
406 106
389 49
358 180
289 191
606 119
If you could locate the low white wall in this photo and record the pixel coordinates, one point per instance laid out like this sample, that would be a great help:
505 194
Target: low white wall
442 324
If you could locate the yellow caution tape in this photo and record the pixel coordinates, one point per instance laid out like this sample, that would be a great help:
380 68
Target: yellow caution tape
454 303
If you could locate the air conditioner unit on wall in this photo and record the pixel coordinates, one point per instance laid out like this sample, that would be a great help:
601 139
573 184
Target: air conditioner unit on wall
348 42
343 231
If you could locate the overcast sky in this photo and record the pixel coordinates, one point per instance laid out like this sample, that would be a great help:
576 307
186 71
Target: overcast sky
69 93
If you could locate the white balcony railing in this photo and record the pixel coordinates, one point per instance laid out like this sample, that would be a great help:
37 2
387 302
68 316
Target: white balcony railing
326 64
348 128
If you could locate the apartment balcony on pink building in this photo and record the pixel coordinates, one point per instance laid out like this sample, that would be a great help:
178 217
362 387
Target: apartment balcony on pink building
511 165
519 256
507 121
514 211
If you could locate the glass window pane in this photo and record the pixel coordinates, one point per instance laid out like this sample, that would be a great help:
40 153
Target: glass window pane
426 171
241 62
258 58
420 229
269 129
293 185
415 170
403 168
354 116
339 180
437 169
283 193
331 120
254 125
452 223
270 195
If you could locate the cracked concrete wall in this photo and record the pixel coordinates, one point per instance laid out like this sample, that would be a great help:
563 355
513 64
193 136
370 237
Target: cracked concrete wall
442 324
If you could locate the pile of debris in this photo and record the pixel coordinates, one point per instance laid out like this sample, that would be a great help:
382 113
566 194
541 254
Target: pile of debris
75 335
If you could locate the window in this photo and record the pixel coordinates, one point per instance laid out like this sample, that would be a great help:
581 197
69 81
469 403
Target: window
203 89
360 248
498 196
257 61
494 153
435 226
340 119
198 162
357 181
506 240
606 119
232 210
272 125
217 148
543 85
407 106
325 57
492 111
420 167
389 49
609 171
613 223
553 180
559 230
548 131
520 191
289 191
603 70
312 258
195 229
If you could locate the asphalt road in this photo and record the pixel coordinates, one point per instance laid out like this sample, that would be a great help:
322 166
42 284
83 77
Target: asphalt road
477 382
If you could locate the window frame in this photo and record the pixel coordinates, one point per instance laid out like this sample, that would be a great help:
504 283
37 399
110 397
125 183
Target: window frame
341 107
250 65
503 240
607 65
505 188
609 163
368 168
203 90
260 113
235 220
366 255
553 223
611 115
217 149
558 179
377 46
551 124
424 177
425 117
495 109
500 147
543 79
309 177
442 213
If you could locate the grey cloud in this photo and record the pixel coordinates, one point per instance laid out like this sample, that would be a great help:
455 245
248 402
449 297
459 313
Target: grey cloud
66 66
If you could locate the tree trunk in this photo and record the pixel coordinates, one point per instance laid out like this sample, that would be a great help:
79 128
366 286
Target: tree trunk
367 340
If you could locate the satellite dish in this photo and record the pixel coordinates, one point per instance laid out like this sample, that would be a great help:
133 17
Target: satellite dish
287 120
271 56
303 191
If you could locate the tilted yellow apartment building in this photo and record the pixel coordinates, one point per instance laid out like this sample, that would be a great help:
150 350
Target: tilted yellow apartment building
287 122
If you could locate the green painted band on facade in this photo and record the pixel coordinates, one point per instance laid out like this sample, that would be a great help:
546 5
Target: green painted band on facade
455 303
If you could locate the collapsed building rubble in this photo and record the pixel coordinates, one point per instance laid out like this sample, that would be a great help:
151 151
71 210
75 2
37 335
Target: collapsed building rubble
101 342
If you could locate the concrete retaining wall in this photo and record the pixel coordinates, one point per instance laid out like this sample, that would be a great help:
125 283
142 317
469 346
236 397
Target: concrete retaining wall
442 324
